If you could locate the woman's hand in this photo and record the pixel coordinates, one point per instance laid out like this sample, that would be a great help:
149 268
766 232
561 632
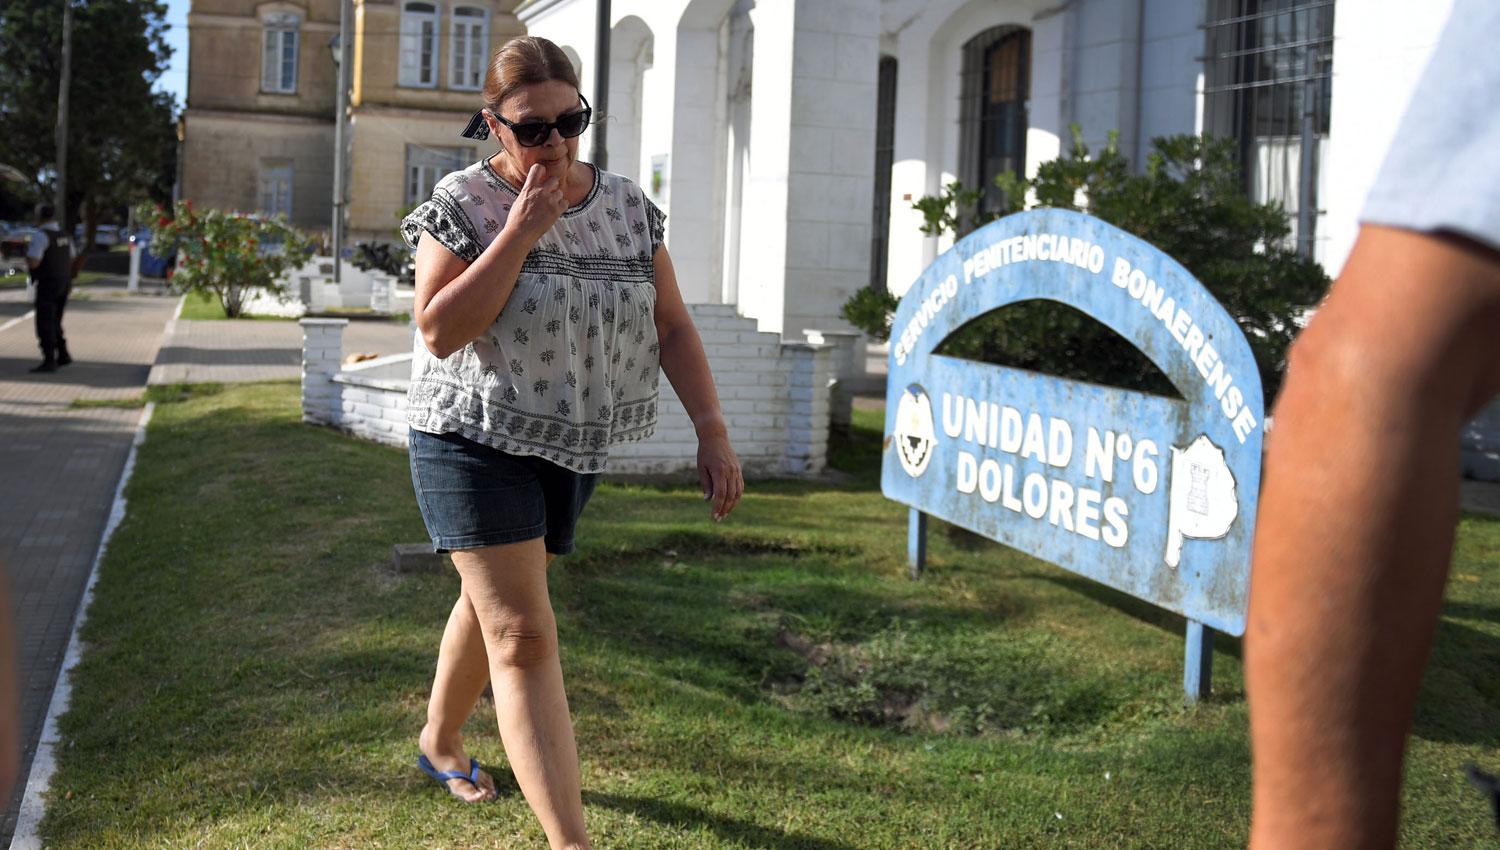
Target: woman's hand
719 473
539 205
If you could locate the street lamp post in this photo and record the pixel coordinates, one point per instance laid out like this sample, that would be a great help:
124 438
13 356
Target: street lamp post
600 154
340 49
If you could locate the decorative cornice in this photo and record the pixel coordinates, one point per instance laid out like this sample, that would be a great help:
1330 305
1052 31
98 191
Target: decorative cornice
256 115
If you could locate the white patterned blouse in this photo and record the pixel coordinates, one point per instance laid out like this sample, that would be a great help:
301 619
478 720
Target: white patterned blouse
570 367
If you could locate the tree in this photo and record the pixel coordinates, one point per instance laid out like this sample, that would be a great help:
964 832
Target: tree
121 139
227 254
1187 203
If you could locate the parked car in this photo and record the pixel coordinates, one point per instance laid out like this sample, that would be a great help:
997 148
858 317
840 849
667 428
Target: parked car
105 236
16 240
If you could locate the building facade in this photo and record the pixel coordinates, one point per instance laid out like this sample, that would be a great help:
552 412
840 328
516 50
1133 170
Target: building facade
258 130
787 139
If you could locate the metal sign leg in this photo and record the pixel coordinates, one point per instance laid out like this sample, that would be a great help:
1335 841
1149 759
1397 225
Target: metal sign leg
916 544
1198 667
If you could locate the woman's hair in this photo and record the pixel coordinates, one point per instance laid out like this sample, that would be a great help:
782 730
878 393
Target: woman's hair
524 61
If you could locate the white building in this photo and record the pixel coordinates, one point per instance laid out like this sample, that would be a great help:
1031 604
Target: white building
786 139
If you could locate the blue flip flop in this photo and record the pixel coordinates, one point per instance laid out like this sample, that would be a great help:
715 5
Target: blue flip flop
472 777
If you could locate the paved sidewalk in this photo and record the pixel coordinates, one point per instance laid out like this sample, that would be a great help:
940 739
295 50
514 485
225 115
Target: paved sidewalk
259 350
61 465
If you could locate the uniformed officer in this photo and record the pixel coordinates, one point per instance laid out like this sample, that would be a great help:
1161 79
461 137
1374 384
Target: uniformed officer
50 258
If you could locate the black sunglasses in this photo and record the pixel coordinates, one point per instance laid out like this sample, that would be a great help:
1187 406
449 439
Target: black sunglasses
532 133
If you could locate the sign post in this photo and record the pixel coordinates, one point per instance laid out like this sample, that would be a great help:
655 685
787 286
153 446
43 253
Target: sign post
1150 495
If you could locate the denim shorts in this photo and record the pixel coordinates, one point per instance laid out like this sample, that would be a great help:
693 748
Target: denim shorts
472 495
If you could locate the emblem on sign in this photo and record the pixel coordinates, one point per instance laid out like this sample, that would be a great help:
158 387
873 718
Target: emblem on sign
915 434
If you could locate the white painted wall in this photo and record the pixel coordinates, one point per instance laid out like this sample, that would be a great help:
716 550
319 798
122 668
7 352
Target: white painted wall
776 398
630 56
1171 69
835 65
799 245
1378 56
927 41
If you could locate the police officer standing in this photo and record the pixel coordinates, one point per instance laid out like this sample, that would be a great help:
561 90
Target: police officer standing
50 258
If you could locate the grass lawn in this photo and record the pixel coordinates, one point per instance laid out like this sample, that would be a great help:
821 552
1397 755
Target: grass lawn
256 674
205 305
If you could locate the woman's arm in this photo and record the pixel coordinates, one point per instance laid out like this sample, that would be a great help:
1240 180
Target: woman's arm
456 301
686 366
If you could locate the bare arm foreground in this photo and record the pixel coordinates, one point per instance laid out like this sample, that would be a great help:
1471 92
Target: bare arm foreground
1356 531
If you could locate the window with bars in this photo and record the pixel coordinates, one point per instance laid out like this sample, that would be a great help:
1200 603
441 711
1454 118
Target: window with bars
278 65
885 149
274 191
1268 81
425 166
993 110
469 47
419 45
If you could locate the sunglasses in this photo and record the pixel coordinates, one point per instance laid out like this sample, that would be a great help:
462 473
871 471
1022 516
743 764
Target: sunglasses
533 133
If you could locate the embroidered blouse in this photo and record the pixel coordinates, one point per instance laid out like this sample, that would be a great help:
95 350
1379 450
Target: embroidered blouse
570 366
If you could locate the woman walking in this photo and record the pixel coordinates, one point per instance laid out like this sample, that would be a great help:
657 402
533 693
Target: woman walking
545 300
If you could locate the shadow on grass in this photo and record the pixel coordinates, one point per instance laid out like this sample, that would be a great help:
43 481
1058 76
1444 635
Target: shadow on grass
728 829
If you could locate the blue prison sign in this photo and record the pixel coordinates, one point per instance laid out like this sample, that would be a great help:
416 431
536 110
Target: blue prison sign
1152 496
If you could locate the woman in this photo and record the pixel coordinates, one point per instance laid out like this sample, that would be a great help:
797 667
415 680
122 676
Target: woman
545 300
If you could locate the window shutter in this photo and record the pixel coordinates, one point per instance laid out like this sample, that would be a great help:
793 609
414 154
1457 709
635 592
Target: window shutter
429 51
270 63
408 51
289 60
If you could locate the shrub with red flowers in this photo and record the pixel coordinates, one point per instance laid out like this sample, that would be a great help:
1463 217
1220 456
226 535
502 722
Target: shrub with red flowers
227 254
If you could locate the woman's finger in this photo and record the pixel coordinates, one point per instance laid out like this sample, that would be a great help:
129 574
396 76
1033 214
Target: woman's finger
721 494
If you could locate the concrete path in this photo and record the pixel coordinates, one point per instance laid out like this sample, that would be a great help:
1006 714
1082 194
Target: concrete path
59 464
58 469
259 350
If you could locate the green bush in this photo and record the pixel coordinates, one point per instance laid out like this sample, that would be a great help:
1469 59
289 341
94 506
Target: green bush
1189 204
226 254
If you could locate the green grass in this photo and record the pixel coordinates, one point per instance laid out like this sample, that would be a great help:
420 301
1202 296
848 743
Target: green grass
206 306
125 403
256 673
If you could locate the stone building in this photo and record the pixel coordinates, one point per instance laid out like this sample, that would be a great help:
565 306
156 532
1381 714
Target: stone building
258 130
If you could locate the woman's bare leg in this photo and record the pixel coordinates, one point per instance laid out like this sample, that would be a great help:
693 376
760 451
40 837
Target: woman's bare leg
507 587
463 668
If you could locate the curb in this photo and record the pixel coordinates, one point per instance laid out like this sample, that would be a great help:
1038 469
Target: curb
44 763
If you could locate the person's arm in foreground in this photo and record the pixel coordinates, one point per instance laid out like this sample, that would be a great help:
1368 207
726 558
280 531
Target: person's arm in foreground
686 366
10 729
1356 530
456 301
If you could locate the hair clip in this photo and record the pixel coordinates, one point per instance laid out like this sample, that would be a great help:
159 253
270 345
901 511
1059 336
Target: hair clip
477 128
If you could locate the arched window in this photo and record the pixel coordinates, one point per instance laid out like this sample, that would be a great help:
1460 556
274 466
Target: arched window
278 64
993 111
469 46
419 44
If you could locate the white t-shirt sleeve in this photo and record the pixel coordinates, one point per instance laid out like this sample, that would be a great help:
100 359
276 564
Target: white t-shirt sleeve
1441 172
37 246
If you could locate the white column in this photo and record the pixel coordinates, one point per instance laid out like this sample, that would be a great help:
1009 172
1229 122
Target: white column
322 357
808 200
809 368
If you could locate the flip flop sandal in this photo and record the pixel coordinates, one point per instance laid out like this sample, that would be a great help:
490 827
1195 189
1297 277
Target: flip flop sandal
472 777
